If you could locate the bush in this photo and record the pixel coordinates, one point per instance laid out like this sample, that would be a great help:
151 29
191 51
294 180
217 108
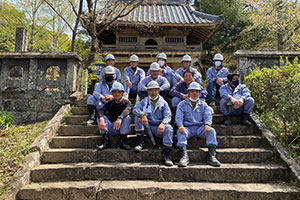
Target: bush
6 119
277 96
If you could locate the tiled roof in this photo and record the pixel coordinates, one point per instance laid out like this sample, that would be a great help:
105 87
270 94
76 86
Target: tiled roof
167 14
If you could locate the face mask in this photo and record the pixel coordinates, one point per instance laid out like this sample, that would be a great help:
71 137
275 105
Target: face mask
193 100
153 99
161 63
236 83
218 63
109 79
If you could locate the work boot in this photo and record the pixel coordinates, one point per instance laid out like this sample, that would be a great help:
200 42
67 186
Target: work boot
124 142
228 120
92 116
211 157
212 103
167 156
244 119
184 160
140 142
106 142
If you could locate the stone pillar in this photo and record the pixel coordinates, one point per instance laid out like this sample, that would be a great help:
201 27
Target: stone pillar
21 39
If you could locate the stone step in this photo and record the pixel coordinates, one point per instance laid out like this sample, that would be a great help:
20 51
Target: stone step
226 155
94 141
69 130
82 110
195 172
79 119
114 190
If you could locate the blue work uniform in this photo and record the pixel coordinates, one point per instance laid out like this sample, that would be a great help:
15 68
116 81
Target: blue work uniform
118 75
194 120
181 89
168 74
163 83
226 91
212 75
179 74
156 114
101 89
135 78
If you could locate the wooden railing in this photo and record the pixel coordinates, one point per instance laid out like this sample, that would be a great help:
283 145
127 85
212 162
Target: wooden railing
112 47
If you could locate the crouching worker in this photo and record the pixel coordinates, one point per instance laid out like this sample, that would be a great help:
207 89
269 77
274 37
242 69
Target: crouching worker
154 112
236 100
114 118
194 118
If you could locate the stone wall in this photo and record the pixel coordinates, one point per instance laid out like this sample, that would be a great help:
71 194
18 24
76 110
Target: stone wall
35 85
252 59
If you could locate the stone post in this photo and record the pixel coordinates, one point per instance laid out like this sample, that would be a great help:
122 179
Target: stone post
21 39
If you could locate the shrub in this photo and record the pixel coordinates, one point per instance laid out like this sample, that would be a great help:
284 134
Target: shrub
6 119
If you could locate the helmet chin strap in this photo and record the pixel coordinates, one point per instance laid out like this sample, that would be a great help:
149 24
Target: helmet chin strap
153 99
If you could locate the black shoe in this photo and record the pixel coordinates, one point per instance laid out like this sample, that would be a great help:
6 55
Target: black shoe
167 156
228 120
92 116
106 142
211 157
184 160
140 143
124 142
244 120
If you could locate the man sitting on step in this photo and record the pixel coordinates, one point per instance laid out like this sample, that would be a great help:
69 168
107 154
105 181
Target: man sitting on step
114 118
194 118
154 112
111 61
236 100
101 95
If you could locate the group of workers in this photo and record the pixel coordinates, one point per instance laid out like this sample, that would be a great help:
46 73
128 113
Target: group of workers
110 107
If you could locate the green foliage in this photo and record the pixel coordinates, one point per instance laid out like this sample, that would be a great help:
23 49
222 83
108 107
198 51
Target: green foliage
6 119
276 93
14 146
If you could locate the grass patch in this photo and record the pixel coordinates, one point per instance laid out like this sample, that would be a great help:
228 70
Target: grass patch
14 146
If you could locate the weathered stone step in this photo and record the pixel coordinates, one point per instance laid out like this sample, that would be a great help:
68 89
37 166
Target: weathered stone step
94 141
113 190
220 129
227 155
81 190
195 172
82 110
79 119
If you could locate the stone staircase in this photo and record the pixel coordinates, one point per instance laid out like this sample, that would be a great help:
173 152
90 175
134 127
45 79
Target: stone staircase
73 168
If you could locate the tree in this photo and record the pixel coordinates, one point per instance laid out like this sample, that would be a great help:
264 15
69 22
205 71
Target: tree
280 18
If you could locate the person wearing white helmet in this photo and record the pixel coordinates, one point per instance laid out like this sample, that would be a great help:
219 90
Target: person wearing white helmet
180 91
110 61
216 77
114 119
165 71
154 75
154 112
133 75
186 65
101 94
194 118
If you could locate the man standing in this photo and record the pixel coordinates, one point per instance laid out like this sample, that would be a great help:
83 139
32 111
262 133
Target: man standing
194 118
154 112
101 95
114 118
236 100
154 76
216 77
133 75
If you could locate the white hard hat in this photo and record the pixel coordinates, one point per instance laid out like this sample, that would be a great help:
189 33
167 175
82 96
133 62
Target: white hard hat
152 84
154 66
109 70
110 56
117 86
162 55
194 86
134 58
186 58
218 56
